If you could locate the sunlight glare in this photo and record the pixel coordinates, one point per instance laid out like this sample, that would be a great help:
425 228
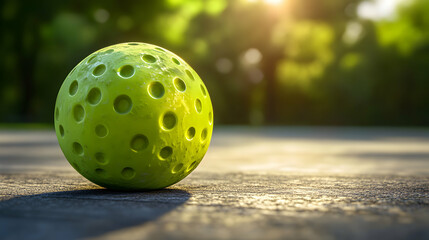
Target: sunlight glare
273 2
270 2
379 9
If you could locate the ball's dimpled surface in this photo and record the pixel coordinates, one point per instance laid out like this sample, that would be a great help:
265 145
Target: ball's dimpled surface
133 116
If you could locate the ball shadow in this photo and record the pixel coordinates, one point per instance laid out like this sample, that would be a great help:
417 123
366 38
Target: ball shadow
83 213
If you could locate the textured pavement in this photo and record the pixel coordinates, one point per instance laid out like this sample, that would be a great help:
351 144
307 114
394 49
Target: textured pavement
254 183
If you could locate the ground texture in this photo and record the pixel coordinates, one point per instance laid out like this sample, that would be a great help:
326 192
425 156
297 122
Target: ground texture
254 183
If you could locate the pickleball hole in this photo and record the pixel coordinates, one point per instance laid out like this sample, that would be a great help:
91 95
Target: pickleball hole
204 134
91 58
139 142
189 74
190 133
156 90
78 113
160 49
94 96
169 120
109 51
61 130
122 104
73 88
100 158
77 148
133 44
126 71
149 58
99 70
128 173
177 168
210 118
76 167
175 61
165 152
101 172
101 130
191 166
57 114
179 84
198 105
203 90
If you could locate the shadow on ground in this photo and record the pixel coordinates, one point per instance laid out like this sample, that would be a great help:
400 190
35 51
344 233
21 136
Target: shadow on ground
83 213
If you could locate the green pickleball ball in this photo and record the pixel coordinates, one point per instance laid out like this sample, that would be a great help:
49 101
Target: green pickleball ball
133 116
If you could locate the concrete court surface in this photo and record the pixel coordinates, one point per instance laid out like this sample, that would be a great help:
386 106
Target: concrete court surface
254 183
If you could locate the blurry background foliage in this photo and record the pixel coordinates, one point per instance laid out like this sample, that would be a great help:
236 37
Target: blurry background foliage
263 61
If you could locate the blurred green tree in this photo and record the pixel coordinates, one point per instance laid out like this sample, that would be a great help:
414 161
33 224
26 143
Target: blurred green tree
291 62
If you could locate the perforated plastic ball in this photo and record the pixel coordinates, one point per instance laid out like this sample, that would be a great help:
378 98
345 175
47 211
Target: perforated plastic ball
133 116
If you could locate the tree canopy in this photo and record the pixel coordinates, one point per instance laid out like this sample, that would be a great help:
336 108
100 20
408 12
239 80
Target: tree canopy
264 62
